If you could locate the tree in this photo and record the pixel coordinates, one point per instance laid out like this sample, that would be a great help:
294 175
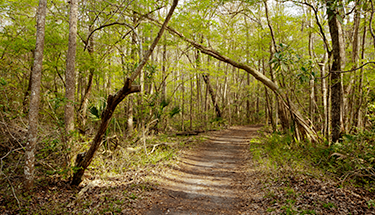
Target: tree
70 69
35 96
300 119
337 54
84 160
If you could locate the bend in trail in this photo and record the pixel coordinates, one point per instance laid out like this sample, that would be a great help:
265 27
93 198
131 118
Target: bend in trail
207 180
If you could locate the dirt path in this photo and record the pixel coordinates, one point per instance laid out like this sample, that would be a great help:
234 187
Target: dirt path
208 179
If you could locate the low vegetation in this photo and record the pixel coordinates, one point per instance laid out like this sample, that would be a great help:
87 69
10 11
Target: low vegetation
118 177
307 178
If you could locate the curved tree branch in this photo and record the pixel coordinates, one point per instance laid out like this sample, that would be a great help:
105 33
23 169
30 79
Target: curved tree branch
304 123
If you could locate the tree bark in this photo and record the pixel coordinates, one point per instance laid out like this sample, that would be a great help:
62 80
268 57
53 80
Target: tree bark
164 70
206 79
113 101
359 114
324 96
336 93
350 100
36 77
312 78
70 68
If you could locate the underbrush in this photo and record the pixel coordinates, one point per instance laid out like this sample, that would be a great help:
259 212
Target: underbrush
349 161
120 169
308 178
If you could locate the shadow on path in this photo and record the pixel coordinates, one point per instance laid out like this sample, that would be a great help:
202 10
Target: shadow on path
207 179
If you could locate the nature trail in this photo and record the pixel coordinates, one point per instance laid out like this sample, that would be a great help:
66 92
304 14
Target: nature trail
207 179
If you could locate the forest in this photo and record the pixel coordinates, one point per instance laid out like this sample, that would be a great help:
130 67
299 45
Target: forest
101 101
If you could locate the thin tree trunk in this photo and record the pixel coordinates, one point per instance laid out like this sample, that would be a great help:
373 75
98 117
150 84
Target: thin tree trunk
191 102
164 70
130 103
36 77
182 102
206 109
312 78
336 93
70 69
325 96
349 100
359 112
273 49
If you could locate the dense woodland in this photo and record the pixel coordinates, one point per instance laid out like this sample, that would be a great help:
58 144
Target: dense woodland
78 77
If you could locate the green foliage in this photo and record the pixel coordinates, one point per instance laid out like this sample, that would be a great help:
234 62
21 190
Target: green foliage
97 108
371 203
174 111
3 82
352 160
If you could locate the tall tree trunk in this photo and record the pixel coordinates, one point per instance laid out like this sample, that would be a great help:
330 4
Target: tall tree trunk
191 102
164 70
312 78
349 100
70 68
337 48
273 49
324 87
359 122
36 77
130 103
84 160
206 109
182 101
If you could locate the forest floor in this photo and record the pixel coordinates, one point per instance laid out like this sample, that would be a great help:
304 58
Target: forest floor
217 176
